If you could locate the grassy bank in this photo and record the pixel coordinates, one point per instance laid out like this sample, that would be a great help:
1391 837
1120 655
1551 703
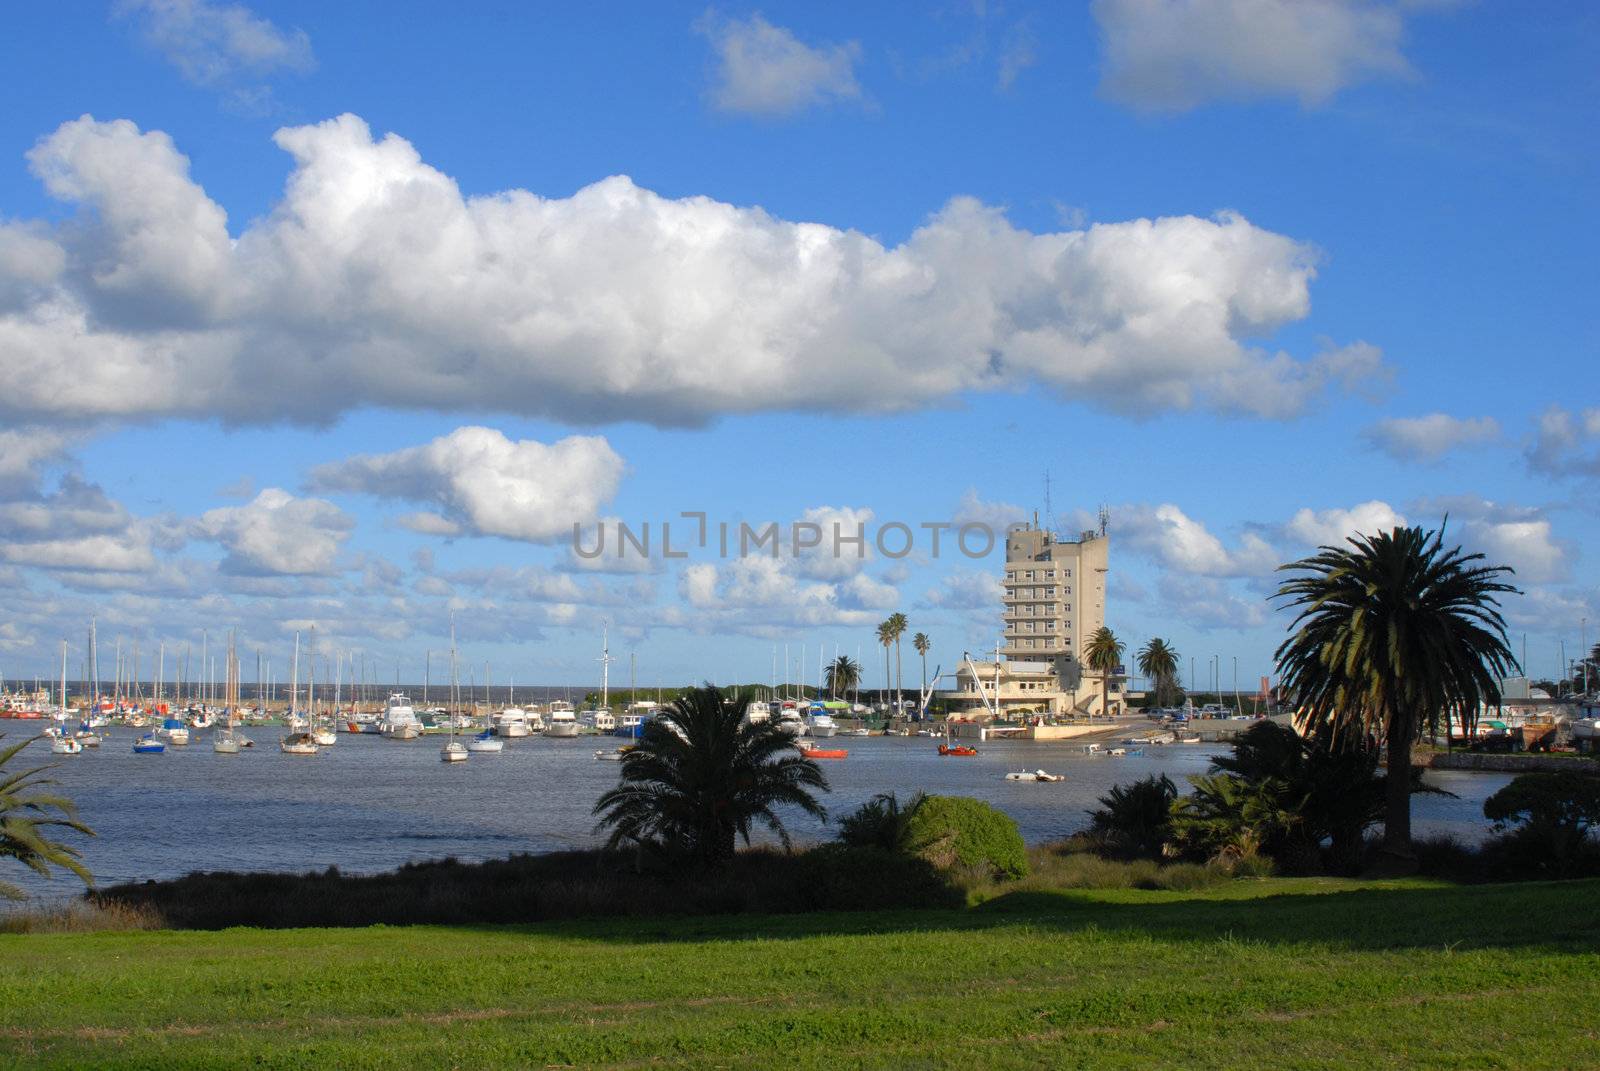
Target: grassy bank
1277 972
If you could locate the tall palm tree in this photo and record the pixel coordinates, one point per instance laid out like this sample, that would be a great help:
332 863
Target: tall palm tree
701 776
886 637
1103 653
843 674
1393 632
897 626
29 817
922 645
1158 661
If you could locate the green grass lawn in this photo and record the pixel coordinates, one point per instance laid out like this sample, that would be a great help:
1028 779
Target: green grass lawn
1275 973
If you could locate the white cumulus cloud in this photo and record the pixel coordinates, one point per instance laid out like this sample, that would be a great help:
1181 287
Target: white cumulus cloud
1431 437
1331 527
1171 537
277 533
483 483
766 70
1172 55
375 282
1566 443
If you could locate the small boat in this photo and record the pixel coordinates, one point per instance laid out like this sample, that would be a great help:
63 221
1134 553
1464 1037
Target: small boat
854 732
299 744
1093 749
1188 739
812 751
149 744
1035 775
957 749
65 745
225 743
87 736
176 732
486 742
454 751
612 756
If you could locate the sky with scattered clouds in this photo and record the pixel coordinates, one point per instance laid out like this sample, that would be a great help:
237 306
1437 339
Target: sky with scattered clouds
303 324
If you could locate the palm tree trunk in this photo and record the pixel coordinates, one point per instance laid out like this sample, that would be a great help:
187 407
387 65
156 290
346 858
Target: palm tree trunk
897 677
1397 786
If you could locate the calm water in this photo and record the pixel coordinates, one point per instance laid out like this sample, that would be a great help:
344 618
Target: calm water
371 804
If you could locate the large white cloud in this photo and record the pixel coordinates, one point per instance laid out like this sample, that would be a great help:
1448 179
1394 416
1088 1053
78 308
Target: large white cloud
1171 55
1185 545
277 533
1431 437
375 282
486 484
1331 527
764 69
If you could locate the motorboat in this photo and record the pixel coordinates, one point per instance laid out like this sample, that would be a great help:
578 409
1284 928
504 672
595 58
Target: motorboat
598 720
149 744
562 723
959 750
821 725
1035 775
399 721
812 751
454 751
631 725
790 721
857 731
486 743
298 744
615 755
511 723
757 712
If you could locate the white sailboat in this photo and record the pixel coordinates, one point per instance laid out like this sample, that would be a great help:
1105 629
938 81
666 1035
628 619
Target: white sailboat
454 751
64 744
296 743
226 741
322 735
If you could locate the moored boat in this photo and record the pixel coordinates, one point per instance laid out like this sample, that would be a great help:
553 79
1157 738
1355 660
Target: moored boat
298 744
149 744
812 751
1035 775
958 750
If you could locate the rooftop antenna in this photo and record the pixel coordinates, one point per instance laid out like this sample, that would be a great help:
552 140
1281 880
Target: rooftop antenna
1049 514
1105 521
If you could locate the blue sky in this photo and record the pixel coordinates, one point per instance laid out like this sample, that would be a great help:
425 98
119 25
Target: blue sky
1252 275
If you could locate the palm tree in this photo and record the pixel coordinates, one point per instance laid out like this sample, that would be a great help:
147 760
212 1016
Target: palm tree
886 637
922 645
701 776
1103 653
1158 660
843 674
26 821
897 627
1394 632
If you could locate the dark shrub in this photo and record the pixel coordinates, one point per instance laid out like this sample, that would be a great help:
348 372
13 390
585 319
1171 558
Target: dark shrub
1135 821
1548 816
880 823
956 832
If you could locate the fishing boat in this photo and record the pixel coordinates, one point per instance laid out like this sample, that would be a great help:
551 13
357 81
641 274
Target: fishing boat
958 750
149 744
1035 775
812 751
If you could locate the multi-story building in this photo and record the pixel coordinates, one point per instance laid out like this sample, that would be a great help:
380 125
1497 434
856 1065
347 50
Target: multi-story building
1053 600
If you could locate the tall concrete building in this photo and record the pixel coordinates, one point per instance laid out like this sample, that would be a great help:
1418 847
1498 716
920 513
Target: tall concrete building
1053 599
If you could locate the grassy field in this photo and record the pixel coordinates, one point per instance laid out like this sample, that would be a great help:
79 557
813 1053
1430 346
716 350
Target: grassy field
1269 973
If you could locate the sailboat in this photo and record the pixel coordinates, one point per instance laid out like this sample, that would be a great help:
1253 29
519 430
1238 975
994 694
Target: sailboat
296 743
226 741
64 744
486 742
322 735
454 751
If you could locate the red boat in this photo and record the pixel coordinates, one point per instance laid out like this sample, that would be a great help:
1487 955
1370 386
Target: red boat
812 751
957 749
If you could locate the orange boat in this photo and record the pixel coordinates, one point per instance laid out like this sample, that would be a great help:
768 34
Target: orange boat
811 751
957 749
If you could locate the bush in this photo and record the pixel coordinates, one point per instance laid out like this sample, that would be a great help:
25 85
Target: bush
957 832
880 823
1135 821
1547 817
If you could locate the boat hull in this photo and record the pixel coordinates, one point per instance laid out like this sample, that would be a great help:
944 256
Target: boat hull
562 730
